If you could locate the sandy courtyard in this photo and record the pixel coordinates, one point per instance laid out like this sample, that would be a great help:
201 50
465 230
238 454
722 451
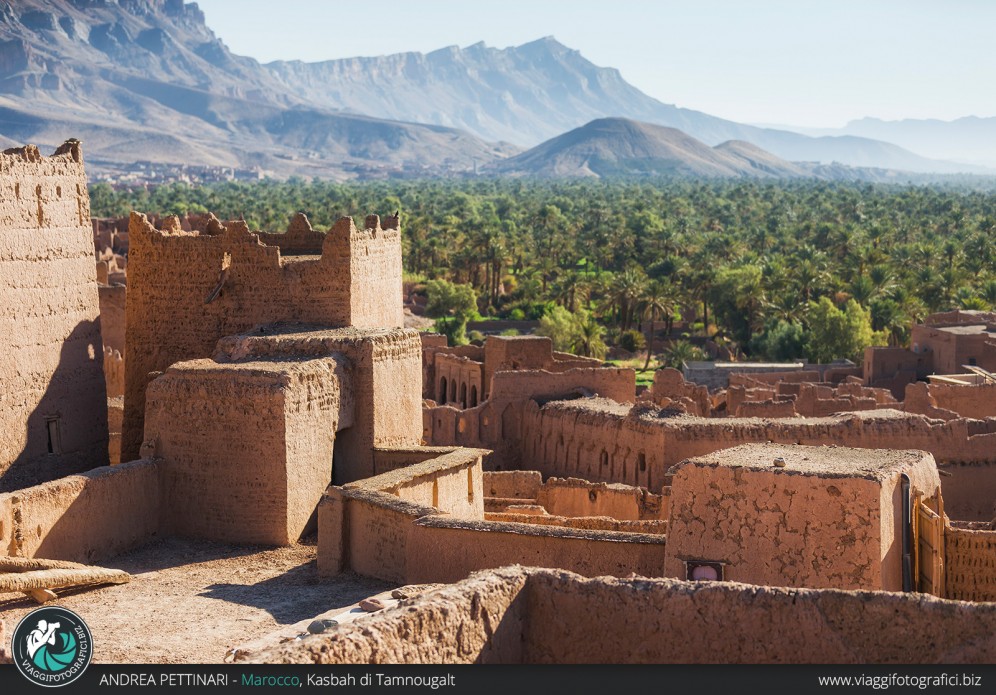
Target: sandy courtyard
190 601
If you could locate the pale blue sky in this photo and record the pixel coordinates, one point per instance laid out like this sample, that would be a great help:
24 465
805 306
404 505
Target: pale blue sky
816 63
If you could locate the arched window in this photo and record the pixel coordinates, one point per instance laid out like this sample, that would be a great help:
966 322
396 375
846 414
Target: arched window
442 391
463 395
473 396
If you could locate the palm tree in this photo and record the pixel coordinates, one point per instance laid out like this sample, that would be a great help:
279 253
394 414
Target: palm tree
682 351
626 289
588 341
657 300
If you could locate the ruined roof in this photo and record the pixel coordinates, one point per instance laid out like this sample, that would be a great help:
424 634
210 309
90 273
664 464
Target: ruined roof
821 461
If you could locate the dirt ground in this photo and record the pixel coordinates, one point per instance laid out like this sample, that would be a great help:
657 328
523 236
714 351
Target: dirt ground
191 601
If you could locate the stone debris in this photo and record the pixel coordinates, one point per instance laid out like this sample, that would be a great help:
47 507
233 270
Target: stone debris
413 590
371 605
317 627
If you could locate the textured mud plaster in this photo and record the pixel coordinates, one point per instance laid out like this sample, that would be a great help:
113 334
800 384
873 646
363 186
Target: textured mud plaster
519 615
831 517
187 290
384 367
477 621
246 447
970 563
83 518
424 523
600 440
53 412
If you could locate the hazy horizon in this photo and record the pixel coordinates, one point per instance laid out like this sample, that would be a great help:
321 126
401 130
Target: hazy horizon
818 64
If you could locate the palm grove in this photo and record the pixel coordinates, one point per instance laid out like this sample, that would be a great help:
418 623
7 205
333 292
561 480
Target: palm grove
769 270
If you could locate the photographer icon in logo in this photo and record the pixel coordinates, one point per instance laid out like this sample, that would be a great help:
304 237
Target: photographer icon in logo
52 646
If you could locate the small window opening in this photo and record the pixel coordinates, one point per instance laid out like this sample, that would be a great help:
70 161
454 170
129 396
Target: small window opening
704 571
54 436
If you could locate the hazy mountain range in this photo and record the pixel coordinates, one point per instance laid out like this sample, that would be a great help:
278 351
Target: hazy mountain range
970 139
148 80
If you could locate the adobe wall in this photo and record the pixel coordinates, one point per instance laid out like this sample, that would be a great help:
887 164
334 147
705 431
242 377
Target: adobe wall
742 624
450 482
670 386
435 345
526 615
766 408
53 416
115 416
956 347
893 368
755 379
496 424
589 523
512 484
575 497
567 439
112 316
387 460
969 491
366 526
114 375
529 352
970 564
978 401
448 550
486 611
83 518
247 448
384 367
384 527
187 290
830 518
458 381
299 239
756 398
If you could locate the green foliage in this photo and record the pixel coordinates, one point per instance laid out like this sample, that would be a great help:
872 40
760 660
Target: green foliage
738 258
682 351
633 341
452 306
836 333
783 341
579 332
560 326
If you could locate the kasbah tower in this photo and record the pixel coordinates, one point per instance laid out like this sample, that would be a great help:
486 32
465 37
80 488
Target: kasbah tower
53 407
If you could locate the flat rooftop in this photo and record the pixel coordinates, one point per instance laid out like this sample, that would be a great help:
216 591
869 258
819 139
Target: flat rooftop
966 329
190 601
820 461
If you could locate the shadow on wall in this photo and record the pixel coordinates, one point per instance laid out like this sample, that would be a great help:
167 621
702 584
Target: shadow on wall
64 433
